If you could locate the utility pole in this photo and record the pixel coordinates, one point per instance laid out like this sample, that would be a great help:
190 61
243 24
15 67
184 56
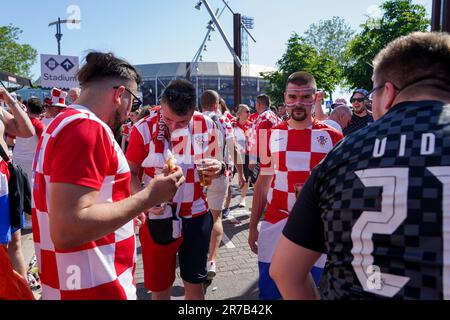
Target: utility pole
237 67
440 18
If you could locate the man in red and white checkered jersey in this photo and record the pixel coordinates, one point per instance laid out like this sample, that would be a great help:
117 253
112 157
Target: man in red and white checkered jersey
258 134
217 191
294 148
82 210
126 129
184 225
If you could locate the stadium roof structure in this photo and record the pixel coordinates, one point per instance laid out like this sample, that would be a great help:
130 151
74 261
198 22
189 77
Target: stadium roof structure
205 69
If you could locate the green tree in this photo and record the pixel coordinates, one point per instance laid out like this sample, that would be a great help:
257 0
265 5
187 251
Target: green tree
331 36
400 17
14 57
301 56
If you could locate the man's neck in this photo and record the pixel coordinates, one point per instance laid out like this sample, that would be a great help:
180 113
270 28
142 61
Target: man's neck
300 125
212 110
362 114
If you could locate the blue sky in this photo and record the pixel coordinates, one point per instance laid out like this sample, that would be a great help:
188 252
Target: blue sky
153 31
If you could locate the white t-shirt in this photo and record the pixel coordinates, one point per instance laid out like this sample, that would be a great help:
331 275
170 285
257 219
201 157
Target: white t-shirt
333 124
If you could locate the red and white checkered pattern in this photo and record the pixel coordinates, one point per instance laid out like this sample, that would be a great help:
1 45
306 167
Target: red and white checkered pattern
78 148
230 117
126 130
259 131
148 148
225 127
253 117
59 98
294 153
241 133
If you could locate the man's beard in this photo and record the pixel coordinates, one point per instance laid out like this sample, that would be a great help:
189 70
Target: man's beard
302 117
116 124
359 110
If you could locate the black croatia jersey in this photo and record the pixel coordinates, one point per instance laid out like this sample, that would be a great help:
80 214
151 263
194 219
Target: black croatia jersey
379 206
358 123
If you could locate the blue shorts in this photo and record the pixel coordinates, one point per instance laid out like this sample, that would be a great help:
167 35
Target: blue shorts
268 289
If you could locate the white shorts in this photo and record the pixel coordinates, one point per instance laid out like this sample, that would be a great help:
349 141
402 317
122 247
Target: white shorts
217 192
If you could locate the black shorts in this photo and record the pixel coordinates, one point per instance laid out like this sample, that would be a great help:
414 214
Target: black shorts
247 172
193 252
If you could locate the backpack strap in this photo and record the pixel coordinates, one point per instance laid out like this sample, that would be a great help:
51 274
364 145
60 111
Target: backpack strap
3 154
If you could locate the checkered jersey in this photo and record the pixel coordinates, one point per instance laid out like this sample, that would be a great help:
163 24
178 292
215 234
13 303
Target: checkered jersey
126 130
382 202
260 131
78 148
357 123
241 134
148 147
226 135
230 117
292 155
252 118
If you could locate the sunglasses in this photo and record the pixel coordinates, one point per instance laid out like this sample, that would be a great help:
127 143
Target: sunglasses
137 103
352 100
174 96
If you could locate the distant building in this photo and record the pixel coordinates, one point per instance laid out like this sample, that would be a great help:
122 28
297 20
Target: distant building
209 76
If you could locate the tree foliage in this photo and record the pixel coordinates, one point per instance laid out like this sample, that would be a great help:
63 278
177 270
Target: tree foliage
301 56
400 17
14 57
331 36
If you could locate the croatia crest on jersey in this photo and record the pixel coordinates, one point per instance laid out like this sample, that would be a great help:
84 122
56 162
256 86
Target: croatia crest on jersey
322 141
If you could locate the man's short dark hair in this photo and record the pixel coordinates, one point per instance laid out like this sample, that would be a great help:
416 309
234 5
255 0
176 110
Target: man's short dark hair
264 99
302 78
101 66
210 98
180 96
34 105
418 56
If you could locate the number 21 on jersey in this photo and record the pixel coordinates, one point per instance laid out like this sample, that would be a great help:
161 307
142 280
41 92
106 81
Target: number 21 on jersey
394 182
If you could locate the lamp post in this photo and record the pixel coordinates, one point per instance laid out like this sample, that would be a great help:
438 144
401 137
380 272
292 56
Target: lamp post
59 34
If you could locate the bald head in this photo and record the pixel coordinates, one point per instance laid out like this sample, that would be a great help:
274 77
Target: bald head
342 115
210 100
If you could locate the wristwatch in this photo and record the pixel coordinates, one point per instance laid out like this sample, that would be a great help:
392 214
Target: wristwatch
224 168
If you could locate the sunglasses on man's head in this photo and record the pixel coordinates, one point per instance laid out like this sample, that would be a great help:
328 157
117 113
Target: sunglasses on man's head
352 100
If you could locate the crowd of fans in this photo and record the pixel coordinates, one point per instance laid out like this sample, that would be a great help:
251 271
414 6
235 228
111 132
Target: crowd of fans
337 195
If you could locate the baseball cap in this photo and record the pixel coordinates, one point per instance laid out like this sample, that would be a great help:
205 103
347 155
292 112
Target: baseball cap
361 91
339 102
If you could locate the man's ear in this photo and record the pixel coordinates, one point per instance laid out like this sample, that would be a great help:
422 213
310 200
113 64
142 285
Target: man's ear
118 94
389 95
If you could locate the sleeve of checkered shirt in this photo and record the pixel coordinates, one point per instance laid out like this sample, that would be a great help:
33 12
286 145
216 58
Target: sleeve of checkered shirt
81 155
305 226
136 151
